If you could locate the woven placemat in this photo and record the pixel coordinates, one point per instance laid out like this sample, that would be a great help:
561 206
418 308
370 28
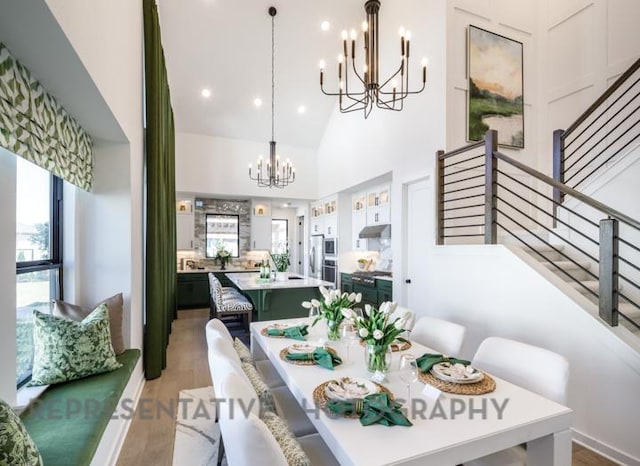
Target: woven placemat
320 397
395 347
263 332
285 351
486 385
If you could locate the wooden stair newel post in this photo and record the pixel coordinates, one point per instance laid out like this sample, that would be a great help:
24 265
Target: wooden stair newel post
608 286
491 187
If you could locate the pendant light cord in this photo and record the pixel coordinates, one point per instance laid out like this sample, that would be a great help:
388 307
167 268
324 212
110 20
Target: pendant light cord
273 85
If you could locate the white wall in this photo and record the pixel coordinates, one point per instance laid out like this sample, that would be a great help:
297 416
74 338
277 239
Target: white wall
505 297
218 166
107 36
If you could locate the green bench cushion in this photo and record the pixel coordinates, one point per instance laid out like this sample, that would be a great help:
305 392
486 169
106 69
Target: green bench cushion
68 420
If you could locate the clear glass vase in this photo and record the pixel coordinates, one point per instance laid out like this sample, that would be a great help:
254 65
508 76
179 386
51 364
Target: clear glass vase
377 358
333 330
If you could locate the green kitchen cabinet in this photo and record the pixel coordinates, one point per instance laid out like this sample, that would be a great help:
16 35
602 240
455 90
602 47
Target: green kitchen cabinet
385 290
346 285
193 290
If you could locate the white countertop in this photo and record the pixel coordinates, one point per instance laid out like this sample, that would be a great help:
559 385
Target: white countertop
378 277
218 269
251 281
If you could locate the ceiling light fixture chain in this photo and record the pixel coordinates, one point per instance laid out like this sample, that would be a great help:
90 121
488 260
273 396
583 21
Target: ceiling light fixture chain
275 174
389 95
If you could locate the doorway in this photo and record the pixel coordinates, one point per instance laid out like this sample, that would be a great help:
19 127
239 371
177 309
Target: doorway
417 238
300 245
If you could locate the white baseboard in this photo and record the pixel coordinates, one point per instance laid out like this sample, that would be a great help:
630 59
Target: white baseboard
116 432
604 450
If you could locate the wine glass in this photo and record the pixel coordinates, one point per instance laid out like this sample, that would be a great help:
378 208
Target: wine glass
408 372
349 335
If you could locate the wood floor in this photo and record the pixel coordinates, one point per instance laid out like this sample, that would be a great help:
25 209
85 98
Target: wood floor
150 438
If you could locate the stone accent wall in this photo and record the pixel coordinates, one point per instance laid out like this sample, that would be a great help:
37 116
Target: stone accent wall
205 206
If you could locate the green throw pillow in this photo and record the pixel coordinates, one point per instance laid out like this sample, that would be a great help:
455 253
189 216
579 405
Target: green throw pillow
68 350
16 445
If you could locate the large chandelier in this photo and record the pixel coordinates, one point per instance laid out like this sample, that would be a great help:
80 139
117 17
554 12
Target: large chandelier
273 173
391 93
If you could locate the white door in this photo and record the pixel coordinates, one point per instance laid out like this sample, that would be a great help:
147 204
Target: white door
417 239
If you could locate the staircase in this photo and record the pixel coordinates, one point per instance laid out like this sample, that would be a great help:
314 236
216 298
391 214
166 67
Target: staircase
485 196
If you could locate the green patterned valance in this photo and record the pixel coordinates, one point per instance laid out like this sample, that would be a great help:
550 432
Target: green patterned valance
35 126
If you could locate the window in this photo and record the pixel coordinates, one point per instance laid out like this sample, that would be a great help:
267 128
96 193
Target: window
279 235
223 231
38 253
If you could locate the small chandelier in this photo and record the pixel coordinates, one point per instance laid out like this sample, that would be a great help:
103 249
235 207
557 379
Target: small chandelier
391 93
273 174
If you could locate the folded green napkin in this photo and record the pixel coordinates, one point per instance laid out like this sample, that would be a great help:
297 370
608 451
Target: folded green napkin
320 356
296 333
373 409
428 360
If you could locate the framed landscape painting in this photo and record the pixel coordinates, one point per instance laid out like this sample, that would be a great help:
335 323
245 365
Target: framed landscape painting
495 96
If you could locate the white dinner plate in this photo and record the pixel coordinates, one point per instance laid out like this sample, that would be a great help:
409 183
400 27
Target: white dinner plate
348 388
301 348
456 373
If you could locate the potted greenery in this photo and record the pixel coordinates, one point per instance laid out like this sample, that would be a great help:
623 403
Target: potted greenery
281 261
223 255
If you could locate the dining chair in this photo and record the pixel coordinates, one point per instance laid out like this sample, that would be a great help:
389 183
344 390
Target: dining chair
439 334
216 328
537 369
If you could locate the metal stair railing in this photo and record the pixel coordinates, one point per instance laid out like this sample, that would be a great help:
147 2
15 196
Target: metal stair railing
481 191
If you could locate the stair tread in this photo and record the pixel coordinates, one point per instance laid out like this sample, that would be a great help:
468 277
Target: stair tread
564 264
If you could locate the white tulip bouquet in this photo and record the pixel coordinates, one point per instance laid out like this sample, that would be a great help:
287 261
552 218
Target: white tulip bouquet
378 331
332 308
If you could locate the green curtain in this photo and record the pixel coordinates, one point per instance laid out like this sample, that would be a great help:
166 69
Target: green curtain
161 278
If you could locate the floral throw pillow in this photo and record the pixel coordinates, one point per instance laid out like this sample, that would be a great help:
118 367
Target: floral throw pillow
243 352
67 350
291 449
16 445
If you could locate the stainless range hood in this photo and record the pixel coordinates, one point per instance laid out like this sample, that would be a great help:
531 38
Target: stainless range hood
376 231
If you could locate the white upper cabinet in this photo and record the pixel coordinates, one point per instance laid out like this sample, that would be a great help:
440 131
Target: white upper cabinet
261 225
185 224
317 218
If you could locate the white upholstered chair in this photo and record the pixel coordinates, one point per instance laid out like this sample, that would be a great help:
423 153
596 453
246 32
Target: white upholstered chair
441 335
537 369
399 312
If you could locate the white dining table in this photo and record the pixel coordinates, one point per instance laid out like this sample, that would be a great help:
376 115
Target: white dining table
450 431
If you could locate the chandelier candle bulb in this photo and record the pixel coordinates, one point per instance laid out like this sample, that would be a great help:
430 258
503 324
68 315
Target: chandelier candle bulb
354 35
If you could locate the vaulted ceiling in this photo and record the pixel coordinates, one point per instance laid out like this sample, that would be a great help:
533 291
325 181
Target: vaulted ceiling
225 46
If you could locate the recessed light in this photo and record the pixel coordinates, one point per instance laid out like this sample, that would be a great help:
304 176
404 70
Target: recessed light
325 25
302 109
257 102
206 93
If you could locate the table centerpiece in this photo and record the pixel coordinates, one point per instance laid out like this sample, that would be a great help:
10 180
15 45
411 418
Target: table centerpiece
378 332
333 308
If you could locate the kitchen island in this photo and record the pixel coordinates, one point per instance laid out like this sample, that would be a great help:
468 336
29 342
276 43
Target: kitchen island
278 299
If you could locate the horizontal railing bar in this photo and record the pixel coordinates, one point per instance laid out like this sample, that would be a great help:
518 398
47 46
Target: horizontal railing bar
475 167
549 214
461 150
628 319
468 188
462 236
569 191
627 243
595 157
608 160
464 216
463 179
464 226
629 281
549 244
614 87
464 207
582 217
601 126
548 260
609 145
463 198
629 299
629 263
